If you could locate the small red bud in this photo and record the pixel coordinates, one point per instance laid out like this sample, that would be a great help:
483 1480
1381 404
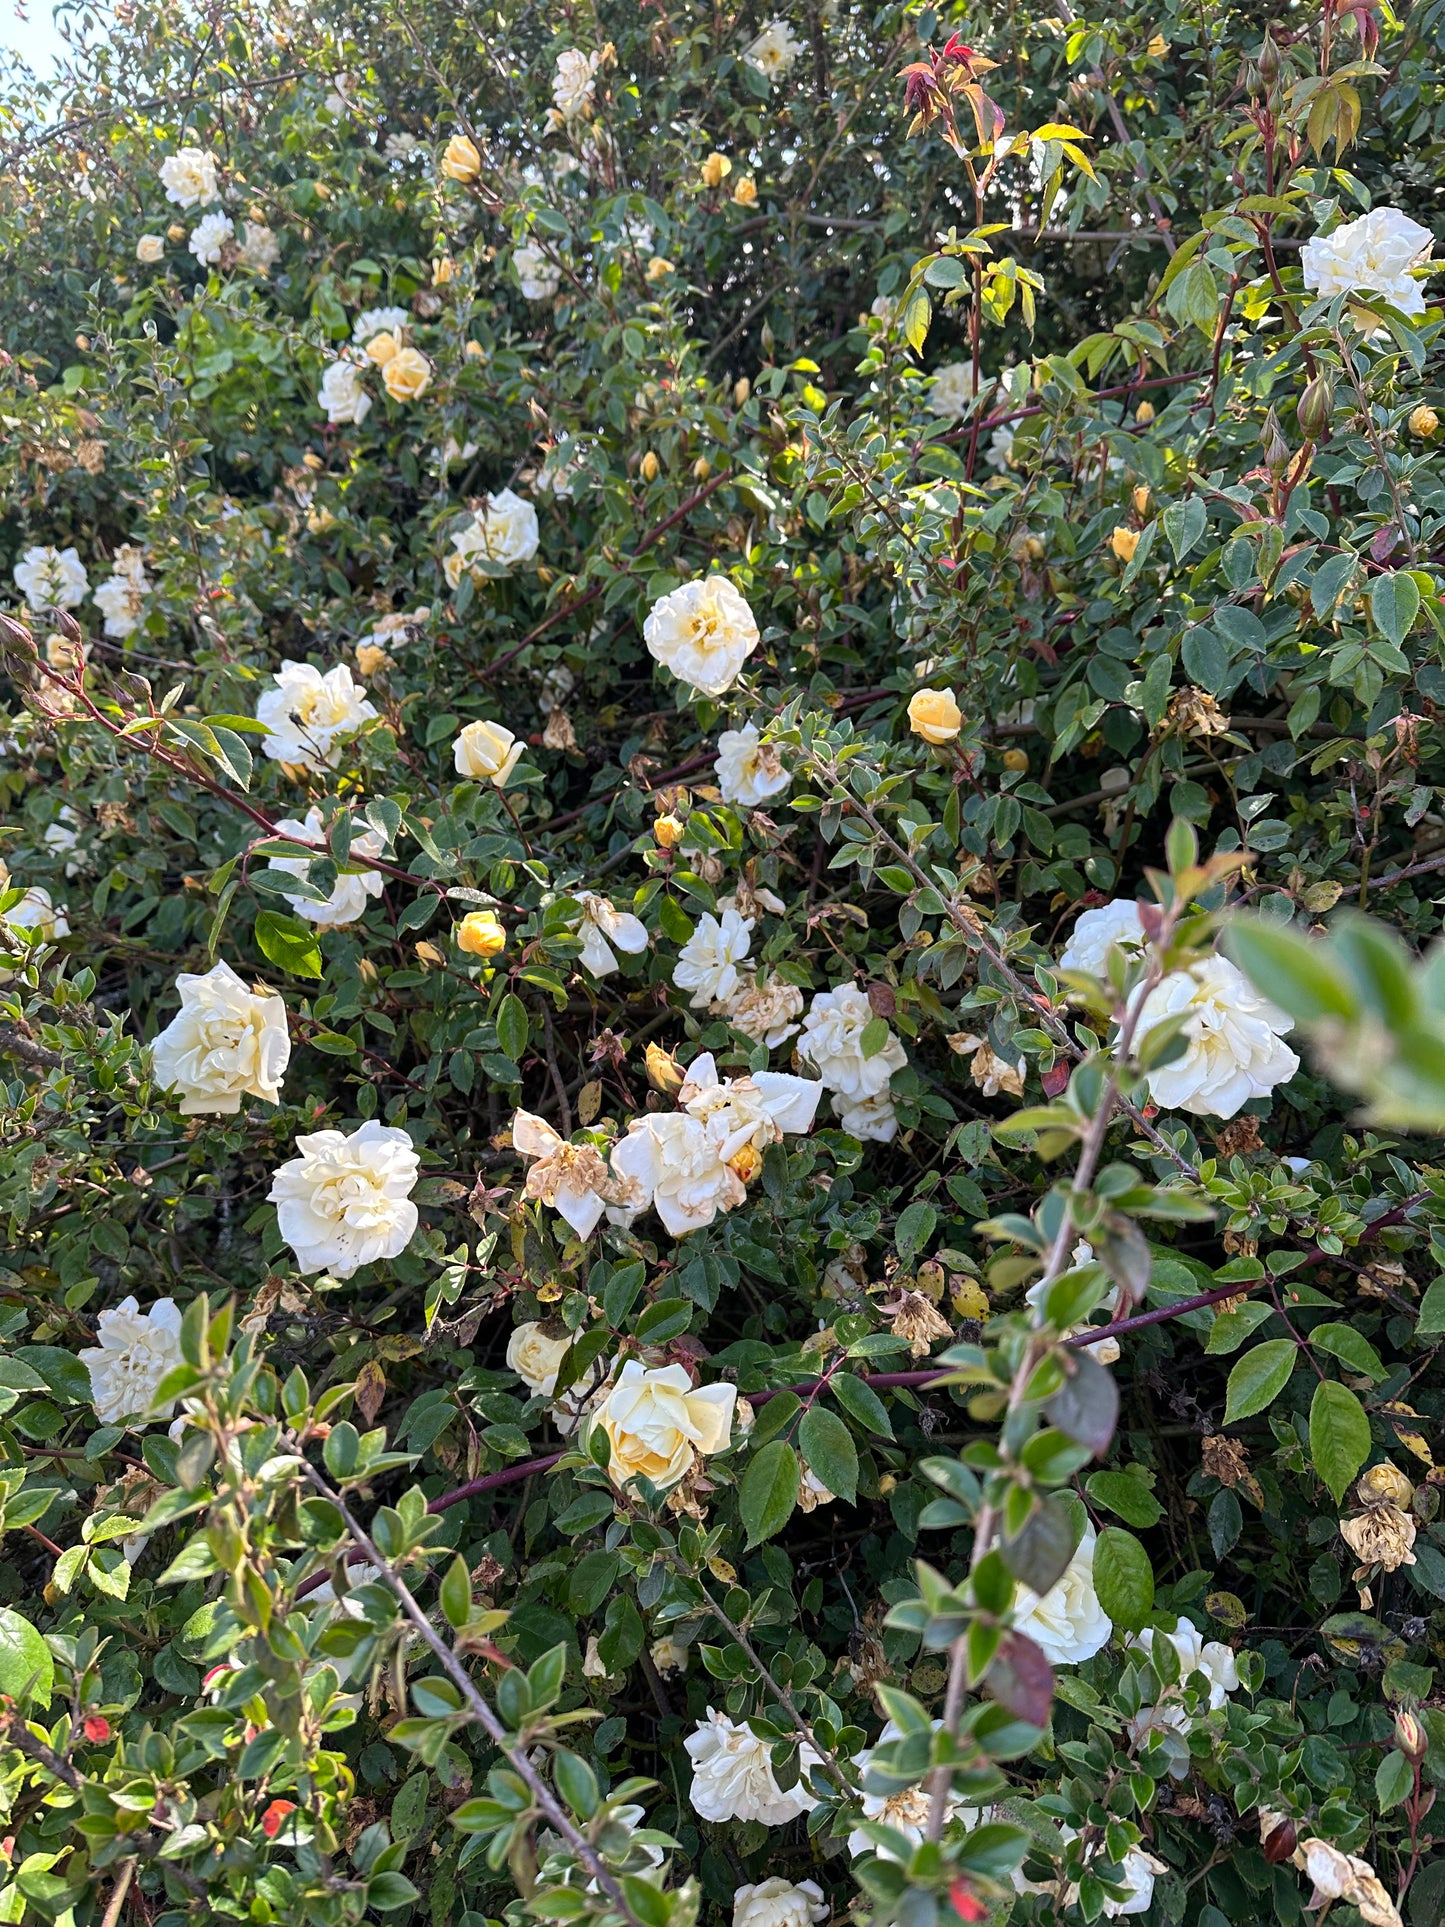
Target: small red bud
1281 1843
965 1902
97 1727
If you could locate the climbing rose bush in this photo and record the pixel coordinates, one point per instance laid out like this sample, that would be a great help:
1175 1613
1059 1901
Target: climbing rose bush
721 1006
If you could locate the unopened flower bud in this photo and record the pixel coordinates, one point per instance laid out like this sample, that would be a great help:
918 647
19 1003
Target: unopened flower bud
742 388
650 466
1140 499
1267 61
1423 422
1144 413
1411 1738
461 161
1384 1484
1315 407
668 831
1015 759
701 469
1124 542
746 1164
370 658
663 1070
746 192
429 956
1272 441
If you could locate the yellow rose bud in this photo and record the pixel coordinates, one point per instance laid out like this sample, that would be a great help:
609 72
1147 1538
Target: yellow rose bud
428 955
1411 1737
175 232
1423 422
461 161
668 831
367 971
1158 46
312 461
650 467
1384 1484
658 269
475 351
1141 499
1144 413
443 271
935 715
480 934
406 375
381 348
663 1071
370 658
701 469
746 1164
1015 759
1124 542
745 194
742 388
715 170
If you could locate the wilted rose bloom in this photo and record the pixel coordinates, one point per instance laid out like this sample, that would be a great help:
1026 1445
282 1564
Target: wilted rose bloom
309 716
406 375
225 1043
992 1074
1382 1535
504 532
703 632
189 177
1384 1483
751 1111
601 927
572 1179
352 888
573 82
707 964
952 390
378 321
778 1903
1097 931
657 1423
748 770
870 1119
150 248
122 598
260 250
934 715
51 578
1067 1623
832 1044
538 277
671 1161
487 752
1373 255
764 1011
774 50
461 160
343 394
134 1352
1234 1037
209 236
534 1357
346 1200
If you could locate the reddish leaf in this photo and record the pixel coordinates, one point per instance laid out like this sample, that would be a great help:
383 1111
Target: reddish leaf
1021 1679
274 1815
1056 1080
965 1902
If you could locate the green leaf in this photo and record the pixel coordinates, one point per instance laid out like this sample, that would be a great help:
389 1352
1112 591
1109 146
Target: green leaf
915 320
288 944
1432 1310
1394 603
1259 1378
1352 1348
915 1227
512 1026
874 1036
1299 976
1128 1496
64 1375
769 1491
861 1402
1339 1435
388 1891
829 1452
456 1593
27 1672
1184 523
1123 1578
1206 660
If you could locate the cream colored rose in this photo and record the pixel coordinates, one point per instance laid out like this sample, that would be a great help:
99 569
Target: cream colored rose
703 632
1373 255
189 177
748 770
310 716
150 248
343 394
461 161
934 715
535 1357
407 375
1233 1036
573 82
345 1201
225 1043
381 347
1067 1623
487 752
657 1423
733 1778
135 1350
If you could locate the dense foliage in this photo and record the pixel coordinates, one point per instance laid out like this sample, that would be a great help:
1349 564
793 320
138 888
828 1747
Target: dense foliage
653 1268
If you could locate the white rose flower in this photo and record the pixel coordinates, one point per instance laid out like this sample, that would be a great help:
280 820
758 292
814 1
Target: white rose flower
707 964
346 1605
63 836
1373 255
1234 1037
346 1200
670 1160
601 927
733 1779
778 1903
1210 1661
503 533
122 598
657 1422
310 716
378 321
1000 451
951 394
209 236
1097 931
703 632
400 147
150 248
668 1655
763 1012
1067 1624
487 752
51 578
225 1043
260 250
906 1810
572 1178
774 50
537 276
872 1120
534 1357
573 82
349 896
1137 1871
343 394
35 914
748 770
831 1043
753 1111
563 469
135 1351
189 177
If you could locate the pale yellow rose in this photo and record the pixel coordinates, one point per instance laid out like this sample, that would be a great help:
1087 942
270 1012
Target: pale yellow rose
381 348
534 1357
934 715
1124 542
487 751
461 161
406 375
657 1423
480 934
